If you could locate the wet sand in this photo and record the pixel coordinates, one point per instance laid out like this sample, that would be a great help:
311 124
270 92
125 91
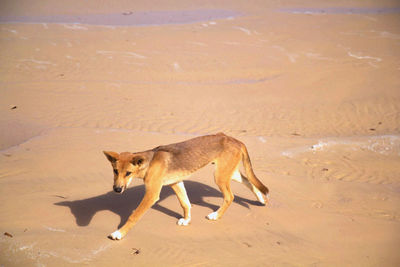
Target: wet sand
312 89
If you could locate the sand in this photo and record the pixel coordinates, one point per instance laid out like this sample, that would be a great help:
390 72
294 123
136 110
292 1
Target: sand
312 88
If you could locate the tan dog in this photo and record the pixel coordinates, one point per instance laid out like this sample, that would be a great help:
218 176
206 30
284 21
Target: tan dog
171 164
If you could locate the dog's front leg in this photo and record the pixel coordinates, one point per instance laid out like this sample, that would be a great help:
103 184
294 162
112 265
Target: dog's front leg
153 184
180 192
148 201
150 198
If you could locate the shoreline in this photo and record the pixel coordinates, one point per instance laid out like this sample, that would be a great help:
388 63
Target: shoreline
130 18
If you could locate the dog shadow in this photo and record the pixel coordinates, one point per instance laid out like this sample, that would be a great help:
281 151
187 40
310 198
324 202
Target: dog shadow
123 204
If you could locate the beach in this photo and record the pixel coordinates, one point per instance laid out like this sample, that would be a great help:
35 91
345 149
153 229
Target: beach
312 88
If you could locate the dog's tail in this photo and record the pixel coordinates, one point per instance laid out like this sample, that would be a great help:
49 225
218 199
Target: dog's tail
249 171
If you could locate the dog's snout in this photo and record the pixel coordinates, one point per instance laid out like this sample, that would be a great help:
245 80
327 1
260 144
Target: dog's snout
118 189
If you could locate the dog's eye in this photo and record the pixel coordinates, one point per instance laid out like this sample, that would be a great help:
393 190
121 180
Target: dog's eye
128 173
116 171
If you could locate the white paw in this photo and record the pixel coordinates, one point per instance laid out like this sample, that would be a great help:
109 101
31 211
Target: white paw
116 235
183 221
213 216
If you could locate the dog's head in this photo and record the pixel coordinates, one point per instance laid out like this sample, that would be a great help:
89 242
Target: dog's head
126 166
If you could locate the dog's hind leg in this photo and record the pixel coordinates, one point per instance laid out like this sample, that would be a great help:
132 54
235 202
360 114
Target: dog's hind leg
180 192
222 179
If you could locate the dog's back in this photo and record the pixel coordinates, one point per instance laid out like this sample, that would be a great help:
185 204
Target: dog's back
203 149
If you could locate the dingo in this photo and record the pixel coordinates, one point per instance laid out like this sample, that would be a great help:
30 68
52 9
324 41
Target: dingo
171 164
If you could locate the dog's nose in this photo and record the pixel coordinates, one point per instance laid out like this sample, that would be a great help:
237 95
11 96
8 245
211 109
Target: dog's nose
118 189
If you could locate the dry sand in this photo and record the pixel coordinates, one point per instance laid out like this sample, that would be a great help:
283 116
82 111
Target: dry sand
311 87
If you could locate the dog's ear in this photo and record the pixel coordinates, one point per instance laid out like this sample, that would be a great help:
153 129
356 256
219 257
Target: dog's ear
111 156
138 160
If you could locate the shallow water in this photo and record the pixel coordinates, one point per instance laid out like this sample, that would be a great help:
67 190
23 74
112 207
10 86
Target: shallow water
384 145
341 10
129 18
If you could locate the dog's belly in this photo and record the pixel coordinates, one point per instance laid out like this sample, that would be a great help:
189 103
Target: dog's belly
174 178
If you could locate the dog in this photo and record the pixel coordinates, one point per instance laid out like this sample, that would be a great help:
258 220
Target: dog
171 164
